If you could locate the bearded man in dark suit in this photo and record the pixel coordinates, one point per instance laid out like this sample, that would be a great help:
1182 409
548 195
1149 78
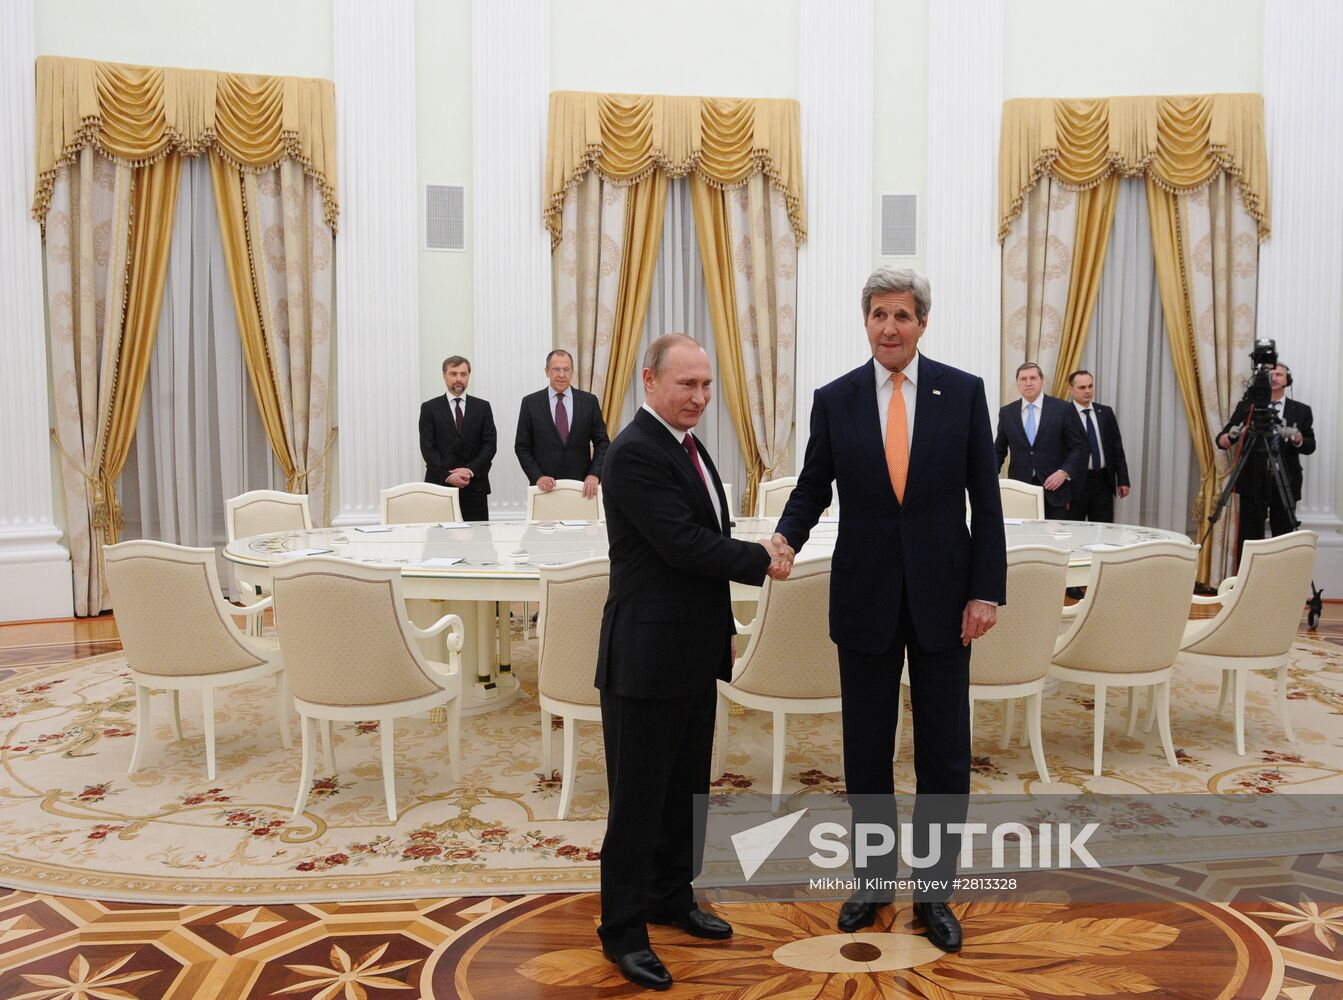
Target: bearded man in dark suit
457 440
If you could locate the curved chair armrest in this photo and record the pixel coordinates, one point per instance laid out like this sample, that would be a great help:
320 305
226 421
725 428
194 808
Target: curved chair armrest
1227 585
1218 598
455 640
251 612
744 628
1071 610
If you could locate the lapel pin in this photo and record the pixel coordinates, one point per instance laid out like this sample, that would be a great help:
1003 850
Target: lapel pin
937 392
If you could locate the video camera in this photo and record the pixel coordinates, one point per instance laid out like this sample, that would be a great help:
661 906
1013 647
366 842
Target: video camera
1259 392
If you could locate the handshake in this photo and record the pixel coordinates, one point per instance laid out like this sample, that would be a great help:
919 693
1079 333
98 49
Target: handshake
780 556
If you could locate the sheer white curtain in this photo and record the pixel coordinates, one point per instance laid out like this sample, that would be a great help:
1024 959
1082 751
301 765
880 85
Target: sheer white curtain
1128 354
678 304
200 438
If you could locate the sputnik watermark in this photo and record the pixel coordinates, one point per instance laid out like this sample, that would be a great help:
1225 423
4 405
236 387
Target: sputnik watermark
1049 845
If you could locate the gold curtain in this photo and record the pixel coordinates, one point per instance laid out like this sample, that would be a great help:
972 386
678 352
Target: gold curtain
138 114
154 206
623 137
238 253
1095 219
1178 143
1164 211
715 251
643 233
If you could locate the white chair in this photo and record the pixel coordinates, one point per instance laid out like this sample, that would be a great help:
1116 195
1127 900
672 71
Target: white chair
1022 500
420 503
1259 617
350 655
564 503
790 666
569 626
179 635
256 513
1012 660
1126 632
772 496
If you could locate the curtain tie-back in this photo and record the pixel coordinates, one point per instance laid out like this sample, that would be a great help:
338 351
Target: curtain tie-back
298 482
105 514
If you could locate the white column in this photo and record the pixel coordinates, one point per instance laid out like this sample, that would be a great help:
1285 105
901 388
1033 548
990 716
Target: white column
35 574
835 84
510 58
377 297
965 103
1300 264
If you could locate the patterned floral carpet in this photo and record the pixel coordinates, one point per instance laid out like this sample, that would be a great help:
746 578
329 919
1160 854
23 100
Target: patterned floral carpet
72 821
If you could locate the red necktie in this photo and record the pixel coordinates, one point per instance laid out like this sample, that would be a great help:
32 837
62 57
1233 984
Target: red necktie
693 452
561 419
458 404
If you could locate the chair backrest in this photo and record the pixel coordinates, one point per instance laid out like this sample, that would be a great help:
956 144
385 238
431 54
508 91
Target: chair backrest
261 511
1261 614
170 613
1135 611
790 654
569 625
732 511
1019 647
420 503
344 633
1022 500
564 502
772 496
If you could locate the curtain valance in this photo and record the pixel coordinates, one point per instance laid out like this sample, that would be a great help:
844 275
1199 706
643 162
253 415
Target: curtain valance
624 137
1179 143
138 114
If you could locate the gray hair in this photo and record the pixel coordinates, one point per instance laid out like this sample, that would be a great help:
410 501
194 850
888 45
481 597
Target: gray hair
559 350
655 357
899 279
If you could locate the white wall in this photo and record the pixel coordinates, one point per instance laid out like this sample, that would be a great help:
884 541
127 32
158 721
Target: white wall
1099 48
443 150
288 38
707 48
900 117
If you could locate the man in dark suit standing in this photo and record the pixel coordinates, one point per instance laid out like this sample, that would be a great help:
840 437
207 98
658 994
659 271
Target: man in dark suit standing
1046 442
561 434
1107 468
1258 495
904 438
666 640
457 440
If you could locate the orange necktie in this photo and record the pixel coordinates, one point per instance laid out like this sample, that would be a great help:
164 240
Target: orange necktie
897 437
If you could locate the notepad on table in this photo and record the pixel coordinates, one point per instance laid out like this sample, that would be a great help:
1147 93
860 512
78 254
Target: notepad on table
295 553
441 562
1014 520
1101 547
454 524
575 524
374 527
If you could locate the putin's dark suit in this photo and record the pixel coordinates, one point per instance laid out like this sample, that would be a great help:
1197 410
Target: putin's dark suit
1059 444
666 639
902 573
537 444
444 449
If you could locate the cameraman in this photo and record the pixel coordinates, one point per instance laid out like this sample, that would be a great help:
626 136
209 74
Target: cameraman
1259 497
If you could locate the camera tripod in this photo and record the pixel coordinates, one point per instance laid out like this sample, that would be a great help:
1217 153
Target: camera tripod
1261 436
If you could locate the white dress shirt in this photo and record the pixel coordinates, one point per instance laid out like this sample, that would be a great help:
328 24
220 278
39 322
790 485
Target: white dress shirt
453 406
679 437
1039 402
909 389
1095 420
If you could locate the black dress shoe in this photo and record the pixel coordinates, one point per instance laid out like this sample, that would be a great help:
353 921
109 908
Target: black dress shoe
700 923
860 910
944 930
642 968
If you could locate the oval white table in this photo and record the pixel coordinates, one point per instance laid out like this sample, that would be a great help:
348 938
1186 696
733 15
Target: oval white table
500 561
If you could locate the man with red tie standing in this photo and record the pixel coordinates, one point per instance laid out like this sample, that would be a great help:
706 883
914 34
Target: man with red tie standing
457 440
905 439
561 434
666 640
